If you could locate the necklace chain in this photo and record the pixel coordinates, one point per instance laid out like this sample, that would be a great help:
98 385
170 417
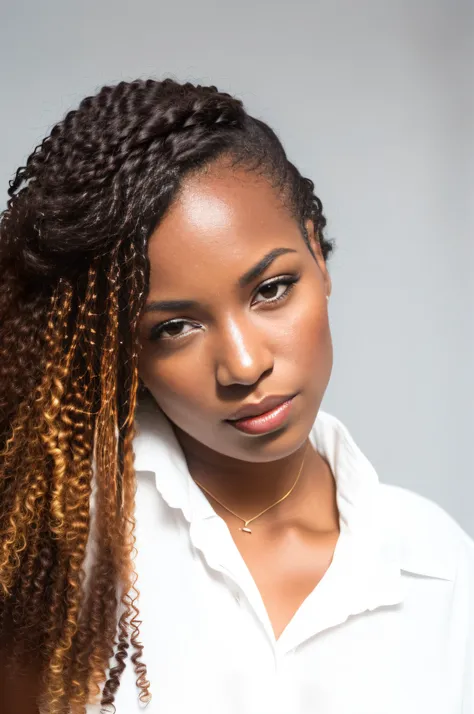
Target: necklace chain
250 520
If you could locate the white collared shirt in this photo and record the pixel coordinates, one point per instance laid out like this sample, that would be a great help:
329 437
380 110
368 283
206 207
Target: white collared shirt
388 630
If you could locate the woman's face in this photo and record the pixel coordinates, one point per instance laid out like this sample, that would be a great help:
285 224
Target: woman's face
218 333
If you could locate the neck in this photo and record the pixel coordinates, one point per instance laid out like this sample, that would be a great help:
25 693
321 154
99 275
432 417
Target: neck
248 487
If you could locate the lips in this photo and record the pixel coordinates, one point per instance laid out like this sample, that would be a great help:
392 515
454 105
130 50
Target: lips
271 420
262 407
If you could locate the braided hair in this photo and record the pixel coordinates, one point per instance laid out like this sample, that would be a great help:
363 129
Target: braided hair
75 271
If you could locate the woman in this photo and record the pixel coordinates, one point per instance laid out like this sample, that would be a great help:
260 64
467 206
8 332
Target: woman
165 348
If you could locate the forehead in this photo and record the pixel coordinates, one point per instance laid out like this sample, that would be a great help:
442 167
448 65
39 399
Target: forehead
223 220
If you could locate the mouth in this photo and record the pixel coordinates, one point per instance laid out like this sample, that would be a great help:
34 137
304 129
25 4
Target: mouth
268 415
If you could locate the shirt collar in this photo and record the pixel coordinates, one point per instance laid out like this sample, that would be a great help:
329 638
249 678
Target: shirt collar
378 543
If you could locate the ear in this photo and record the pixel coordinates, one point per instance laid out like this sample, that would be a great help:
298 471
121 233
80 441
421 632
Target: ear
318 255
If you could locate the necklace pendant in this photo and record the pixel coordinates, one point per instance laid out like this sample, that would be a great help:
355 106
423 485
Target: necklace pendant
244 529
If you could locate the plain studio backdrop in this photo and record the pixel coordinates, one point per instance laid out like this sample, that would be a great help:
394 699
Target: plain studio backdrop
373 100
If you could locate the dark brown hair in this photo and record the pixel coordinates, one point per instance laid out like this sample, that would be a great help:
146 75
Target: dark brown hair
74 270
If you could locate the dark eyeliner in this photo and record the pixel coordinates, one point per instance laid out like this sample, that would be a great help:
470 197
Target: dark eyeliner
156 330
288 280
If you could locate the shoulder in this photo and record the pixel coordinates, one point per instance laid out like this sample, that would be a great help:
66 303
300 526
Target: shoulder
432 542
429 540
420 512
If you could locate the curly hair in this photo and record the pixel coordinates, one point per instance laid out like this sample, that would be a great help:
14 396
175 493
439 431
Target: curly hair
75 272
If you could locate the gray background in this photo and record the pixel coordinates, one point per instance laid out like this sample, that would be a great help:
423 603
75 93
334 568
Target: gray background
373 100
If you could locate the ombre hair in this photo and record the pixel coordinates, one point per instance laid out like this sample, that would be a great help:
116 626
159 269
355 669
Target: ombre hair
75 272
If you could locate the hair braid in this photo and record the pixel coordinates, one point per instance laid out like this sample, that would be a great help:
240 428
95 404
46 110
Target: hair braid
74 440
130 593
46 402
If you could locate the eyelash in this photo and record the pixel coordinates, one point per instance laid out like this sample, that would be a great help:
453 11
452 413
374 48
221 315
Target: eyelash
288 280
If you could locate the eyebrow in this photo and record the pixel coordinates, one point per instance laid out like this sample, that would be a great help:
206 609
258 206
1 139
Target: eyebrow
262 265
245 280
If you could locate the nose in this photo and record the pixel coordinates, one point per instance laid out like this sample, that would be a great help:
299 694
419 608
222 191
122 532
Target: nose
242 355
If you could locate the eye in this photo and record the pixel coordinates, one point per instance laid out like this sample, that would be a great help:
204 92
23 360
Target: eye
171 330
276 289
273 291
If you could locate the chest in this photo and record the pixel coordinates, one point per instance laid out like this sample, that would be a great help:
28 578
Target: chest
286 569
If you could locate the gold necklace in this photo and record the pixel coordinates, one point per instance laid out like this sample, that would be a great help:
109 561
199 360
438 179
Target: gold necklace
245 528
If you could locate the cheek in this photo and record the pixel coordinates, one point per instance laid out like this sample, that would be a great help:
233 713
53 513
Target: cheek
311 351
175 386
306 338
